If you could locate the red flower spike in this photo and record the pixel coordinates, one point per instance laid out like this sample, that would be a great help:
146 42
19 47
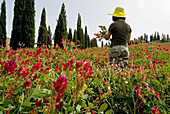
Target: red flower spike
143 83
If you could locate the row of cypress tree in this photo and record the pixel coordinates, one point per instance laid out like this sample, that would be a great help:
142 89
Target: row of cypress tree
23 29
79 37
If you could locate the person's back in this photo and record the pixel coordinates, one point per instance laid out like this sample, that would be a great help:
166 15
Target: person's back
121 33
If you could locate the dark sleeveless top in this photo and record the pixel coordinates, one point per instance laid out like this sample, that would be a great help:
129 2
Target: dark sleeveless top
119 31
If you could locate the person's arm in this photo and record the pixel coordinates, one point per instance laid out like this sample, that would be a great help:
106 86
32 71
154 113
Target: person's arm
108 35
129 36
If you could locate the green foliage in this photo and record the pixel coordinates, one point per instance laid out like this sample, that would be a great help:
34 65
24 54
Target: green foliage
61 29
3 24
79 29
42 34
75 36
49 40
103 107
86 37
70 34
102 44
28 24
94 43
16 35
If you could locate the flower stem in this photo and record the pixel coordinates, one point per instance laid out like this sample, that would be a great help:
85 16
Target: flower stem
4 83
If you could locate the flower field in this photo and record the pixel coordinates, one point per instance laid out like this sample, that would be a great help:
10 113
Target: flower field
72 80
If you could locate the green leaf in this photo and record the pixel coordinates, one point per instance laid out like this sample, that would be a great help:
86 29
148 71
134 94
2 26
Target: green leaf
84 87
22 98
110 112
83 104
91 106
46 91
38 95
7 102
85 96
71 109
78 107
33 92
2 108
26 104
103 107
90 89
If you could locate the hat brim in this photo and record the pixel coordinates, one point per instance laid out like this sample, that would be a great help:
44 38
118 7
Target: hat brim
112 14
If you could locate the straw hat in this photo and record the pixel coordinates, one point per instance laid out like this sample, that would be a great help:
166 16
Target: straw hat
119 12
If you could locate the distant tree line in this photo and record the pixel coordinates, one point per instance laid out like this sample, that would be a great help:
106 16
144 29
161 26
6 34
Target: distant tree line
156 37
23 29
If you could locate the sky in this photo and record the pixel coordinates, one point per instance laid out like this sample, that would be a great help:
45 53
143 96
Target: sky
144 16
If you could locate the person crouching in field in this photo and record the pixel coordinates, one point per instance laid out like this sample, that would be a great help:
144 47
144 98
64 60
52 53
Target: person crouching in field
121 33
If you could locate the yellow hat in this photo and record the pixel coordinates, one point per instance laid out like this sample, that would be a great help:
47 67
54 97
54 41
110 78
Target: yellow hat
119 12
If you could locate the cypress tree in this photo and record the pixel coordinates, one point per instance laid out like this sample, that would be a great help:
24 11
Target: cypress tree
58 35
61 29
28 24
146 37
167 36
89 42
16 35
42 34
70 34
63 12
64 28
154 38
102 44
96 43
0 34
79 30
75 37
86 37
49 34
158 36
151 38
3 24
83 39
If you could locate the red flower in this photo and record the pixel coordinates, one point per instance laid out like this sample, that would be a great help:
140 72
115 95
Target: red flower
59 105
10 66
146 67
45 100
38 103
138 92
151 90
60 85
54 57
78 64
36 66
57 47
137 86
143 83
26 84
100 26
64 50
164 63
155 61
155 111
